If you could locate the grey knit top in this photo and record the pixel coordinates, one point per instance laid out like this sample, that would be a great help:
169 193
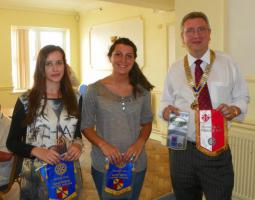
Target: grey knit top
116 119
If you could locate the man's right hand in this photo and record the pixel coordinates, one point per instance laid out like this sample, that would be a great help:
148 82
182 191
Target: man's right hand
169 109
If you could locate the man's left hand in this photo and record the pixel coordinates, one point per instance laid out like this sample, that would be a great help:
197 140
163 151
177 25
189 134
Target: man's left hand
229 112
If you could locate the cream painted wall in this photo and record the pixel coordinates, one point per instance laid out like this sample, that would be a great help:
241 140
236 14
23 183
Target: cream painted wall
216 12
31 18
241 44
155 39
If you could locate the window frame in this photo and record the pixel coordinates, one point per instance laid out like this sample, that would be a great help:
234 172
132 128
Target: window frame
22 59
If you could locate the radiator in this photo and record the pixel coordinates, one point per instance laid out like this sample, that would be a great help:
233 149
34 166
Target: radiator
243 152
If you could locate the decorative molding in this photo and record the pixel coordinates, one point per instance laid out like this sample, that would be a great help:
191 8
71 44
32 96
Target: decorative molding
6 88
247 125
235 197
154 91
158 137
28 8
166 5
171 45
156 134
102 36
250 79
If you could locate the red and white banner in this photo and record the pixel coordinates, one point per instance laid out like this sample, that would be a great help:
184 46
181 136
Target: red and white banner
211 132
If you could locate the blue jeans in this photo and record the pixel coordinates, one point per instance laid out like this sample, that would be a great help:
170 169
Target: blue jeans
98 178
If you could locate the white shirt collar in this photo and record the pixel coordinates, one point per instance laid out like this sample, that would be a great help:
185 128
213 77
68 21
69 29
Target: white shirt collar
205 58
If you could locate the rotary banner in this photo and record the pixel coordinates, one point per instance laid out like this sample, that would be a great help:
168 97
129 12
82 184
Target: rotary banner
60 180
211 132
118 181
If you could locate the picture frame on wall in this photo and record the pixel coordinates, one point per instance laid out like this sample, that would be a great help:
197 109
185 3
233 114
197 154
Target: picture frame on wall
102 36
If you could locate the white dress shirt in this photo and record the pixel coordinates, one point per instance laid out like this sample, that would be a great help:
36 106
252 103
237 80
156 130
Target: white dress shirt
225 84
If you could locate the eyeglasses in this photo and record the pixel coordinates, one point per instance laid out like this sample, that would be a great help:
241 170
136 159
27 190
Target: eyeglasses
198 30
51 63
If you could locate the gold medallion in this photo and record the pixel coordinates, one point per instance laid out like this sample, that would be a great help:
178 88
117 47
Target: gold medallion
194 105
197 88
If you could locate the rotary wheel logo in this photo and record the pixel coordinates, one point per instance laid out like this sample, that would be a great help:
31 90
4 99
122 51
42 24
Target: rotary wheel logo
118 184
60 169
211 141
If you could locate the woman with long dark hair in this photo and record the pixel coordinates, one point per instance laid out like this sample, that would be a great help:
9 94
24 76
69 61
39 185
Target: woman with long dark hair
45 126
119 107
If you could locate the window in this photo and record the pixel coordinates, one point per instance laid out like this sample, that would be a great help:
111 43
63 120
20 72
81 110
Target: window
26 43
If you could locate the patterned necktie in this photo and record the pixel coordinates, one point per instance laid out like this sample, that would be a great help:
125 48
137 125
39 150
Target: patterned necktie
204 100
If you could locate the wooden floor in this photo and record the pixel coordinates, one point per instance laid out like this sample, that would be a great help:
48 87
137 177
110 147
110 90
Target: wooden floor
157 180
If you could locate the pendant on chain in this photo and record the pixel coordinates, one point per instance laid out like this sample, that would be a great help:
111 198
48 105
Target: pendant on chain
194 105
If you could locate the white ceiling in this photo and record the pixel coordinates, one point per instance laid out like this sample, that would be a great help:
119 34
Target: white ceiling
82 5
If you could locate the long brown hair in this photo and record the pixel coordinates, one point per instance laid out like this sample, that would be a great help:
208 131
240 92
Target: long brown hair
38 91
136 76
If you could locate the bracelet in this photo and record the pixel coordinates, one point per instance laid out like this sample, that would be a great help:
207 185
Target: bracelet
78 141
